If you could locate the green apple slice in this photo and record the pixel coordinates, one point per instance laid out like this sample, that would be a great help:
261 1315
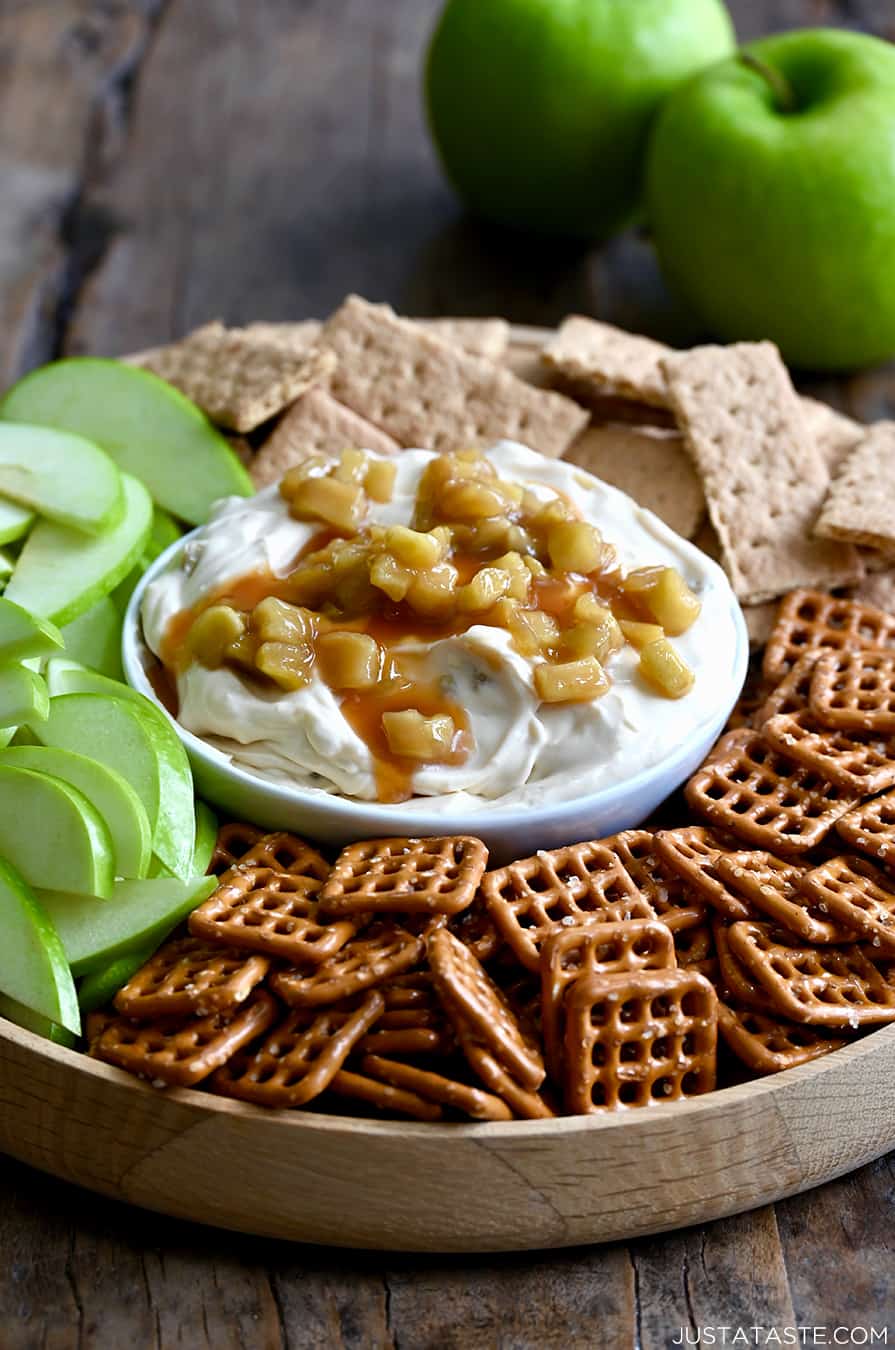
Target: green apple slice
61 573
33 965
114 798
61 476
24 636
139 916
206 837
145 424
36 1022
15 521
165 532
116 725
7 565
206 842
23 696
101 986
94 638
51 833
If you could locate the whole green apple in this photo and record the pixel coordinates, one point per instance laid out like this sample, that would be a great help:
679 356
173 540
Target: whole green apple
771 195
540 109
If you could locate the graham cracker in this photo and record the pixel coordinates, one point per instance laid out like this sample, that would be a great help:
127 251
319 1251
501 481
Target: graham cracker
877 588
237 378
480 337
760 620
764 479
295 336
615 363
315 424
598 362
424 392
835 435
651 465
858 506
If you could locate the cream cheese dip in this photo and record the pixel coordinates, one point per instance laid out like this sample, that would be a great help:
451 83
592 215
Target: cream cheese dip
517 748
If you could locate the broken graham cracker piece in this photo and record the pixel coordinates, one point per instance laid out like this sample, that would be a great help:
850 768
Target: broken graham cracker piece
586 352
858 506
764 478
237 379
651 465
315 424
424 392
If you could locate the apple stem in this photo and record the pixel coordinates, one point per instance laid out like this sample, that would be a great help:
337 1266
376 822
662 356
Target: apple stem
780 86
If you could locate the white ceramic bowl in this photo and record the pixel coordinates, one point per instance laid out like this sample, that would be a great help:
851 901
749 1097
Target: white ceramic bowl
509 831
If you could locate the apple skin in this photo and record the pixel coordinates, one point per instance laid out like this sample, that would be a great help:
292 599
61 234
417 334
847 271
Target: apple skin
540 109
782 225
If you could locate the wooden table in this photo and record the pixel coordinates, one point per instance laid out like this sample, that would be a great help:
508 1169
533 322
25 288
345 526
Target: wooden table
163 164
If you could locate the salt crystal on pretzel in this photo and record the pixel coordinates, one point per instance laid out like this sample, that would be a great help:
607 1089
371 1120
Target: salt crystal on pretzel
870 828
735 983
663 886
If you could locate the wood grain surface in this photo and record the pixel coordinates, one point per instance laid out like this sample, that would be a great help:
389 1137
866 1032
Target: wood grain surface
163 163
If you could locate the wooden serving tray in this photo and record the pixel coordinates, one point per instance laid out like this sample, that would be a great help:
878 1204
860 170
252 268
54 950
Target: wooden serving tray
346 1182
444 1188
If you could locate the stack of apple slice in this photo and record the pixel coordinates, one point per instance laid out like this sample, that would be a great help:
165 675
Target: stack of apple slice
101 853
101 848
98 463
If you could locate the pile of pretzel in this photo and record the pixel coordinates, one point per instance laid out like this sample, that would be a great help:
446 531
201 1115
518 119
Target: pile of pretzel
408 980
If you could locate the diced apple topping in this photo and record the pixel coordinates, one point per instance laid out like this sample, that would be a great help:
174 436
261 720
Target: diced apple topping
571 682
664 597
665 669
413 736
477 550
349 660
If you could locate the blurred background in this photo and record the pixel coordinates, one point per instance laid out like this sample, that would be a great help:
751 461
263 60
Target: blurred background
165 163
